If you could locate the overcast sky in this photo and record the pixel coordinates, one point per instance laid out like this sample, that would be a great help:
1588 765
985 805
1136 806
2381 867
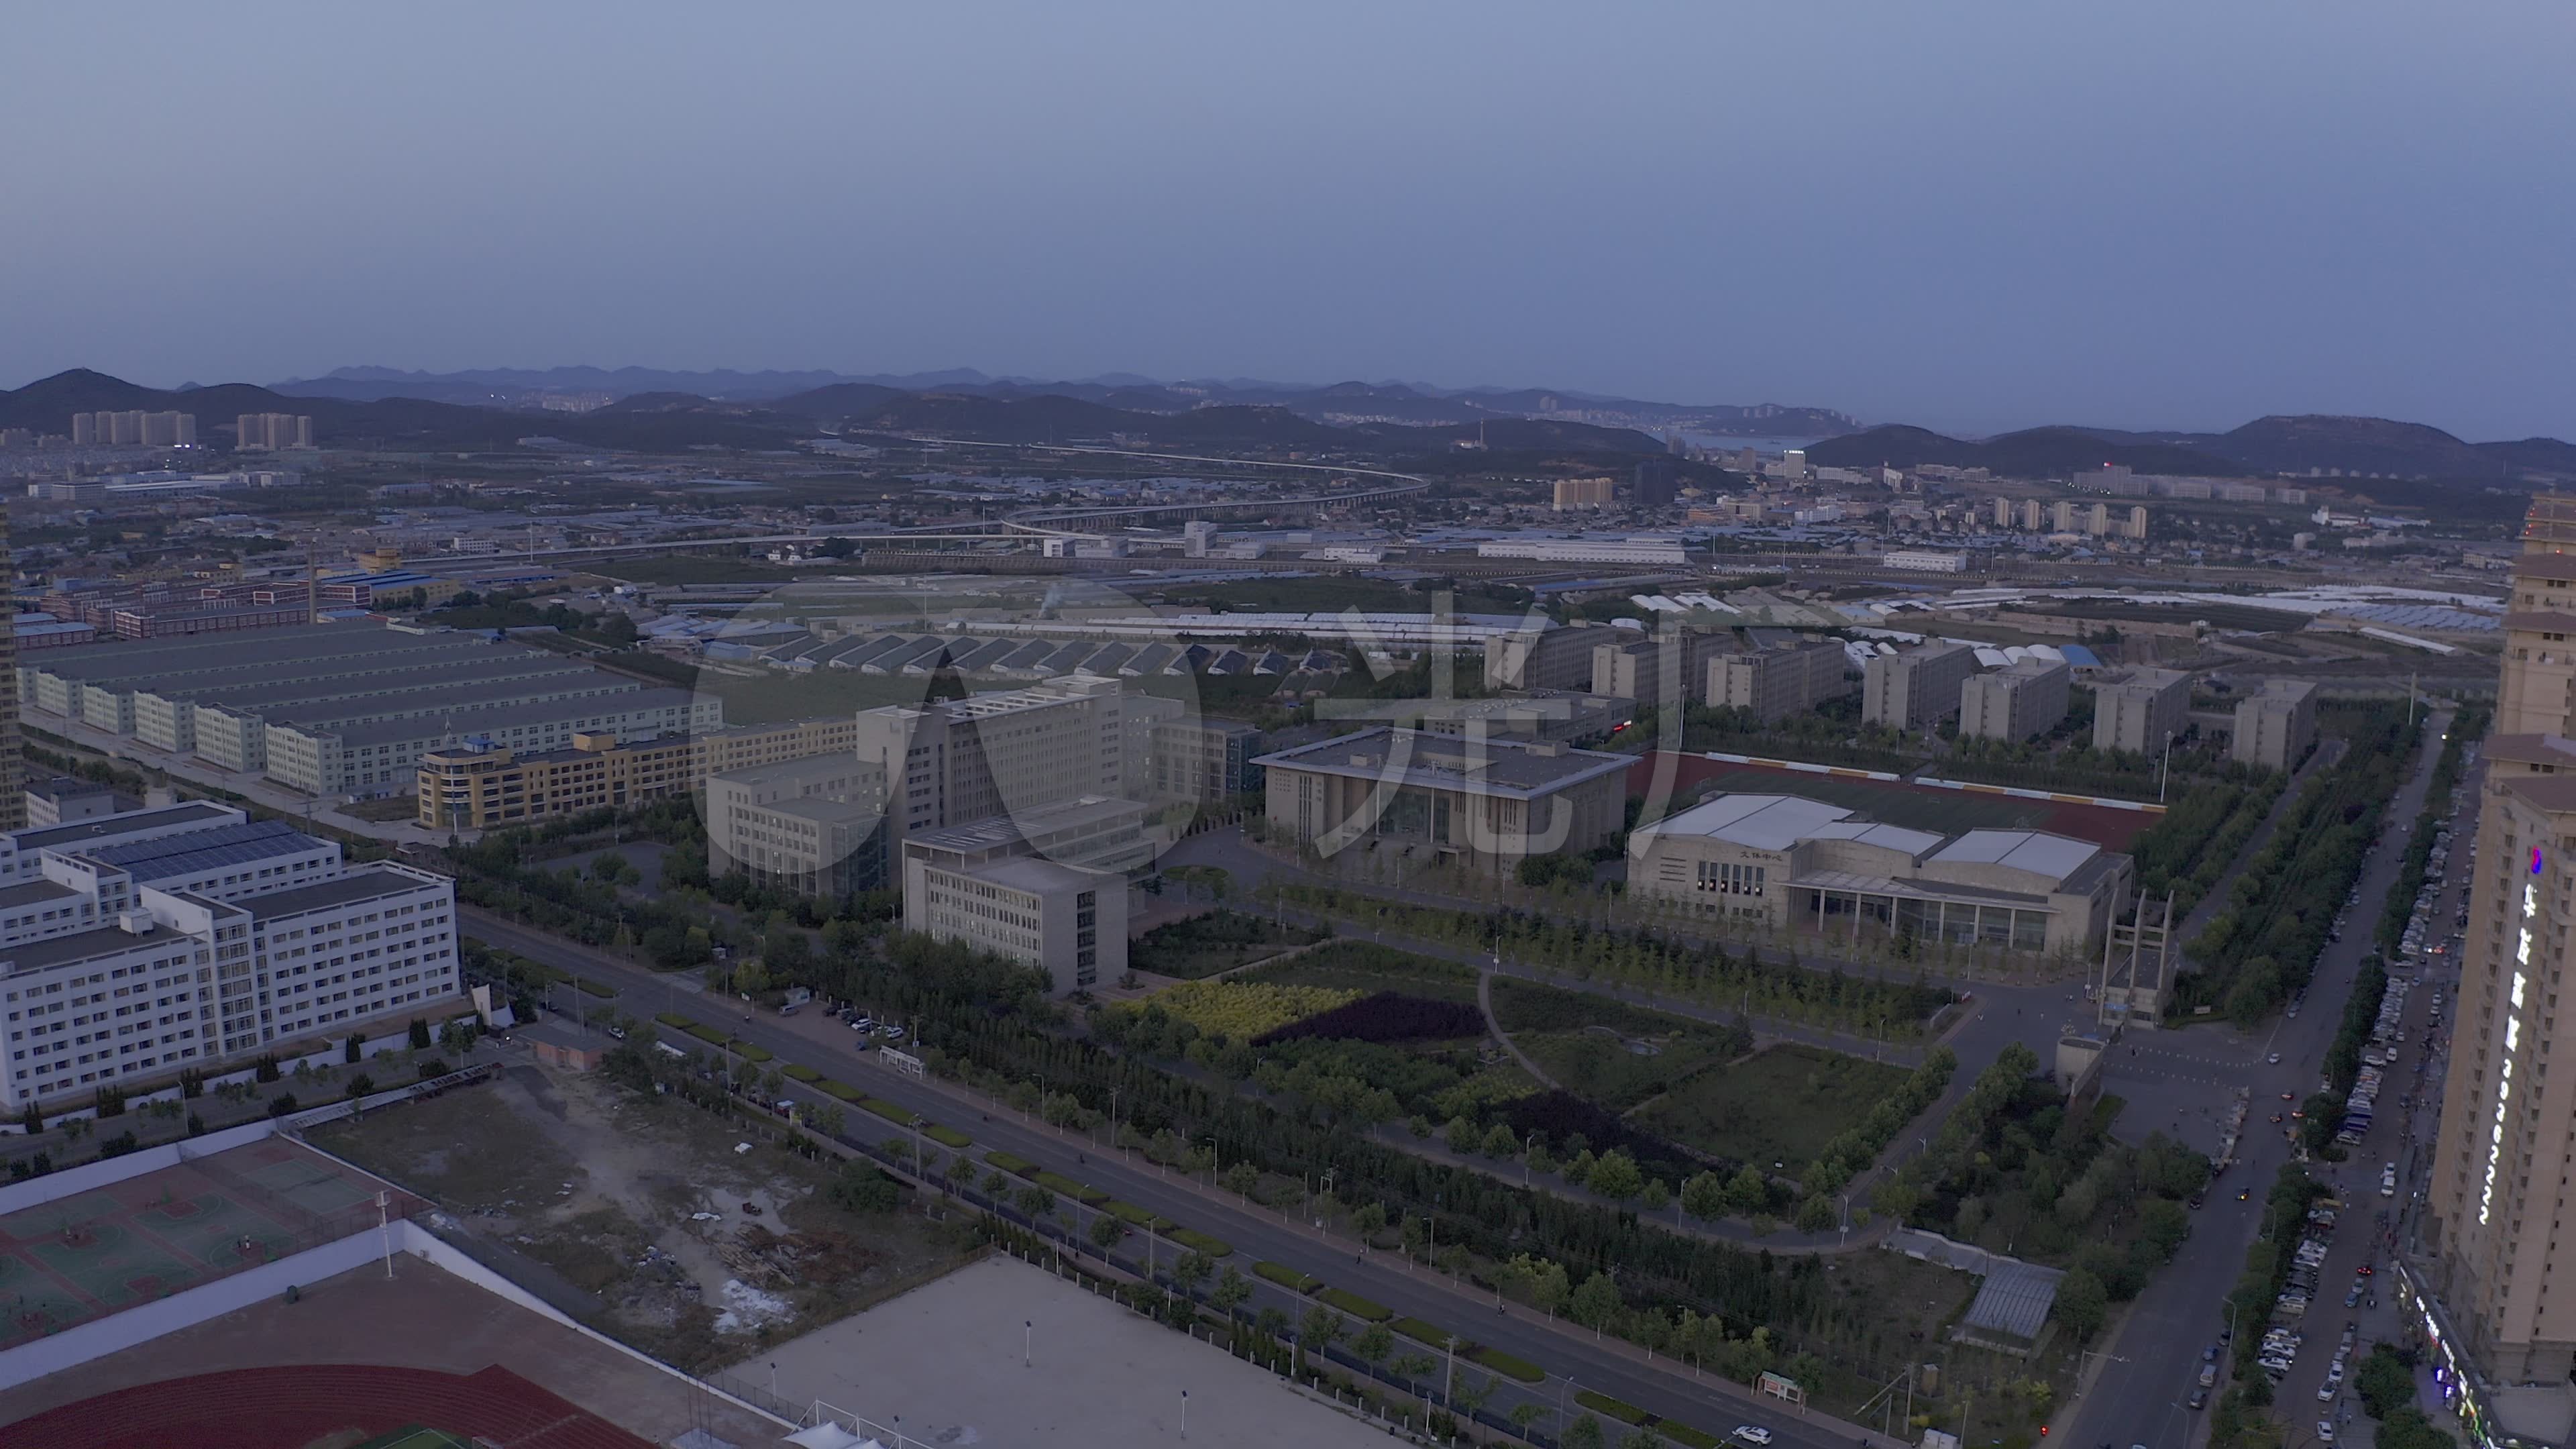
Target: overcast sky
1971 215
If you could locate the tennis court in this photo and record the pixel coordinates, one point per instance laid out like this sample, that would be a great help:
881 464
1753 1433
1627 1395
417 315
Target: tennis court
97 1252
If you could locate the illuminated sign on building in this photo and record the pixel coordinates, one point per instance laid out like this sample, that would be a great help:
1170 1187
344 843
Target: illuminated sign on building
2512 1045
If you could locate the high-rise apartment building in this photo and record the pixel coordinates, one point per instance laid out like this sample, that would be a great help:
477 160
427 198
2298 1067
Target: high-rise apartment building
13 769
1777 683
135 427
1584 493
2275 726
1913 690
2498 1194
2023 699
273 432
1542 656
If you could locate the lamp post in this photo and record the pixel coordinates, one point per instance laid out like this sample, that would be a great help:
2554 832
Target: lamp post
2165 771
1028 1342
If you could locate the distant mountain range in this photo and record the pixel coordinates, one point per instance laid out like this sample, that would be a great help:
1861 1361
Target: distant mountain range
2263 448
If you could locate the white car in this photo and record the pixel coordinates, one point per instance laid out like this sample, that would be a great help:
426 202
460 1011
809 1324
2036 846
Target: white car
1752 1434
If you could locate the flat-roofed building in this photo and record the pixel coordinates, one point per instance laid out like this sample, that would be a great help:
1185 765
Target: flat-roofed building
478 786
1483 803
1788 861
68 798
1541 655
1202 760
2138 710
382 756
1916 689
2025 698
1067 921
816 825
956 761
2275 726
1775 684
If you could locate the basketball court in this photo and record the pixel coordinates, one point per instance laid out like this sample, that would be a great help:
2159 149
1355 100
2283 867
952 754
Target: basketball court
95 1253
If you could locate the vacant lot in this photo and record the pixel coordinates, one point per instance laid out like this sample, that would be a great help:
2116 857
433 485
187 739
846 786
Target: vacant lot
1218 941
698 1252
1776 1108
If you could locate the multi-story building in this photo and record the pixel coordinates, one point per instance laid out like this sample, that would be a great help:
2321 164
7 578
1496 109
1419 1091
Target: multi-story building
13 799
381 754
956 761
2140 710
1584 493
135 428
1543 655
1788 861
1483 803
819 825
273 432
1916 689
1924 561
2497 1184
135 946
65 798
2025 698
1777 683
2033 515
2275 726
1629 665
1203 760
478 786
1067 921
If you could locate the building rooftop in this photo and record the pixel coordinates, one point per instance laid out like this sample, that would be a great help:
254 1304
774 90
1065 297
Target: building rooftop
1028 873
1004 831
362 883
798 771
1776 822
84 945
503 717
34 892
1445 762
165 856
2036 851
112 827
69 787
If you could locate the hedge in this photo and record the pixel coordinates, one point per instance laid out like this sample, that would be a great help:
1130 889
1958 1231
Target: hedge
1509 1365
1063 1186
1356 1306
842 1090
948 1137
1421 1332
899 1116
1008 1163
1287 1277
1129 1213
1619 1409
1199 1242
673 1020
801 1072
594 988
1685 1435
707 1034
749 1052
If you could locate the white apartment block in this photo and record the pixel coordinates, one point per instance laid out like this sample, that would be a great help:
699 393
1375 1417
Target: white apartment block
134 946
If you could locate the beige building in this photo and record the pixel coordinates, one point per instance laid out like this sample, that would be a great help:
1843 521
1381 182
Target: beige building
2497 1184
2275 726
814 825
1915 689
1551 657
13 767
1777 683
1584 493
2139 710
1068 922
956 761
1202 760
1636 666
1484 803
1787 861
2023 699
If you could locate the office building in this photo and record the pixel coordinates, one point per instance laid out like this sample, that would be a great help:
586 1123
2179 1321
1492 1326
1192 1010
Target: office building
2275 726
1197 536
272 432
1574 493
1201 761
1069 922
817 825
1788 861
1541 655
136 946
2497 1184
1627 664
1777 683
1484 804
478 785
2140 710
1916 689
957 761
2017 702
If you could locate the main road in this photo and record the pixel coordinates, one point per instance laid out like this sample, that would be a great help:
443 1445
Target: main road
2150 1366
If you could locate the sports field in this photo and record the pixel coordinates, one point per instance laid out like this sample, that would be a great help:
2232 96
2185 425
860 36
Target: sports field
97 1252
1916 807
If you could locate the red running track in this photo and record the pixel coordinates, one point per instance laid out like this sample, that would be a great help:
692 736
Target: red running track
282 1408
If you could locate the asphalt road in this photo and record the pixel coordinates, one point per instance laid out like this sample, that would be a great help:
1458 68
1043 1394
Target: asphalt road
2152 1364
1573 1358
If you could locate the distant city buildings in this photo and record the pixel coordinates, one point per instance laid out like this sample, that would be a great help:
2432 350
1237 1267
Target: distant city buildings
1572 493
273 432
135 428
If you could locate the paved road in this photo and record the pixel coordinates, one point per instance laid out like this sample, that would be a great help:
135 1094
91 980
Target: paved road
2153 1361
1607 1366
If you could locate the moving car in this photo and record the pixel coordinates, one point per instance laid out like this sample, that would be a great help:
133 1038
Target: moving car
1752 1434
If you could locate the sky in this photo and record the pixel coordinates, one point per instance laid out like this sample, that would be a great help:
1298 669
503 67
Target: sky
1973 215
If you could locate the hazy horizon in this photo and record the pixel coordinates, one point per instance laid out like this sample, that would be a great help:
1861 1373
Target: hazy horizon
2186 217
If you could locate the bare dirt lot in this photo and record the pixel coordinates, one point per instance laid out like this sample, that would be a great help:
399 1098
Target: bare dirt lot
697 1252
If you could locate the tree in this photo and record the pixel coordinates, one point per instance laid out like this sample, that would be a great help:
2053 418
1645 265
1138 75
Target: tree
996 1183
1656 1197
1748 1192
1585 1434
1704 1196
860 1188
1525 1414
1596 1303
1231 1290
1317 1330
1550 1290
420 1034
1106 1231
1243 1177
1499 1141
826 1118
2082 1304
1615 1176
1369 1220
2384 1382
1374 1343
1193 1269
1463 1136
1816 1214
1034 1202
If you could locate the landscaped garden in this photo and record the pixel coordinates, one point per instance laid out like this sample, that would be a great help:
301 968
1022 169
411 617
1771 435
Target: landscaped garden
1204 945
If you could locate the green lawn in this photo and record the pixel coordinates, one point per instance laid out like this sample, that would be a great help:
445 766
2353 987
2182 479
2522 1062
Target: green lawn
1604 1051
1778 1106
1218 941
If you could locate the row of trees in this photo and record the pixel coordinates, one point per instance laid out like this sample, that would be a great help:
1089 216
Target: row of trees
2467 727
2191 845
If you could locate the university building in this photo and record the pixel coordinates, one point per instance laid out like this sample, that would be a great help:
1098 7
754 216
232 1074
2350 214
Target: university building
1480 802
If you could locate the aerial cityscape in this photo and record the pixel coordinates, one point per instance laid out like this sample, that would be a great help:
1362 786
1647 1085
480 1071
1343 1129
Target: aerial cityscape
1731 729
